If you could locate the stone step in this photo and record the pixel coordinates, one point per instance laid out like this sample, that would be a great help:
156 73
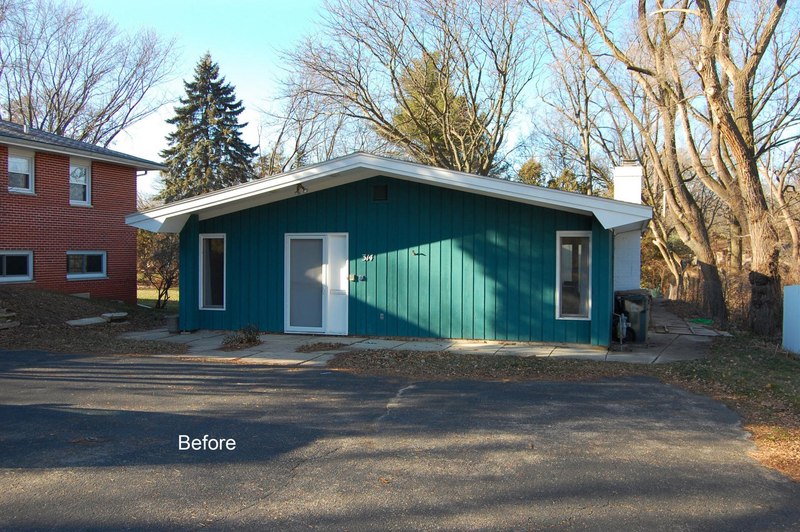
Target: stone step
86 321
114 316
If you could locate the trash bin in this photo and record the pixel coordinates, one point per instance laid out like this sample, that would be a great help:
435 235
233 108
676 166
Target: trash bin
172 324
636 305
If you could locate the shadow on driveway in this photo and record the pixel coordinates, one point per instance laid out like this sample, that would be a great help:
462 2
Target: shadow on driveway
91 443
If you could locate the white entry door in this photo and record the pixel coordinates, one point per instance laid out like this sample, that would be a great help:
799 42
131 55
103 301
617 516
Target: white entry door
315 283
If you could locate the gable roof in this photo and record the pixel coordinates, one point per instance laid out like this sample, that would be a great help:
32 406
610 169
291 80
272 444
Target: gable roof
19 136
171 217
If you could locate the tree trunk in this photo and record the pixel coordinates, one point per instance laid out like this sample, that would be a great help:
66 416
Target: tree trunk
713 295
766 300
735 260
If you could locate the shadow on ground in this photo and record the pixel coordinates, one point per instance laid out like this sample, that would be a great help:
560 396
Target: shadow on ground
91 443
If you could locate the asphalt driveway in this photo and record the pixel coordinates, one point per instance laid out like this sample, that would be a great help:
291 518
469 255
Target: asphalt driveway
92 443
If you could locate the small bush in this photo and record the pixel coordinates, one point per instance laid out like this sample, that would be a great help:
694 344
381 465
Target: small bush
244 337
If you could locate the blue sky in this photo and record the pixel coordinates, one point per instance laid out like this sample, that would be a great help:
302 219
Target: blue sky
244 38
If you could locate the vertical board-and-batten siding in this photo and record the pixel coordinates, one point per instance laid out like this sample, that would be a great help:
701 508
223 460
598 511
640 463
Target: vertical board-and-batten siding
447 264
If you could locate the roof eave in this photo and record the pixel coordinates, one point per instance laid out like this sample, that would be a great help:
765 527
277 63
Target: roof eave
610 213
139 164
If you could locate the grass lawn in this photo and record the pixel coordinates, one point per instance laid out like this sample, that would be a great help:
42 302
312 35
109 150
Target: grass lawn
148 296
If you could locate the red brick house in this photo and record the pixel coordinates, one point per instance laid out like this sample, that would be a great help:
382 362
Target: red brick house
62 214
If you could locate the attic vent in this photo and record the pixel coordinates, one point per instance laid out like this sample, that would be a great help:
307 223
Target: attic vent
380 193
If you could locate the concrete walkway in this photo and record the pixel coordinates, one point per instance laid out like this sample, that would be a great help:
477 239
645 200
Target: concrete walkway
670 339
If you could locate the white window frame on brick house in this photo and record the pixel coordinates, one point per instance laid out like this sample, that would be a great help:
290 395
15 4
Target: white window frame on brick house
15 278
75 165
30 158
84 274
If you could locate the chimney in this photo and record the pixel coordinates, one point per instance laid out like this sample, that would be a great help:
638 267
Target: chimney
628 244
628 182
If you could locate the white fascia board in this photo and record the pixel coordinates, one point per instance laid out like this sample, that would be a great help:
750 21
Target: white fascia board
358 166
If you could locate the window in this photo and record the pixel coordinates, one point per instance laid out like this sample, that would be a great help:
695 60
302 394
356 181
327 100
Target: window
20 173
573 274
80 182
212 272
16 266
86 264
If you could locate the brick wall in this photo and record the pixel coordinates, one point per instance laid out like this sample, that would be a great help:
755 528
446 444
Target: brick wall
48 225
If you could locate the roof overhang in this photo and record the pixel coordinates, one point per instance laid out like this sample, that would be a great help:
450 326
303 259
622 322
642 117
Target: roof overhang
171 217
135 162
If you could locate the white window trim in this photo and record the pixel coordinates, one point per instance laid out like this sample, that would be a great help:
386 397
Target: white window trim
31 156
84 276
18 278
204 236
82 163
559 236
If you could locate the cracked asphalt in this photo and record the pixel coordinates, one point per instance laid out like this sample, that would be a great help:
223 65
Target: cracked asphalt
92 443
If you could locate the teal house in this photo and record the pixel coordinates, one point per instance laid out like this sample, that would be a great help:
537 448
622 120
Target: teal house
372 246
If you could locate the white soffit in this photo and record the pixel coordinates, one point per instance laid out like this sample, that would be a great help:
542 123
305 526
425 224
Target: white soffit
170 218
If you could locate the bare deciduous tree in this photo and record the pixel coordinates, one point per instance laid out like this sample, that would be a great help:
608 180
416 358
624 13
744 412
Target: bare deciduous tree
308 128
484 58
74 73
726 94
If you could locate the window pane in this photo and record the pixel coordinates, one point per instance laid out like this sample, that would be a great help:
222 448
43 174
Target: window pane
94 264
16 265
19 172
574 274
79 183
16 180
75 263
213 272
78 174
20 165
77 192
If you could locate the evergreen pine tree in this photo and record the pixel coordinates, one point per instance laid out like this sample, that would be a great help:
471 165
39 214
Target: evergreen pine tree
206 151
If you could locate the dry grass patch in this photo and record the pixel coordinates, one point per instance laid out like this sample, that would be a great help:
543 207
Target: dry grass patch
319 346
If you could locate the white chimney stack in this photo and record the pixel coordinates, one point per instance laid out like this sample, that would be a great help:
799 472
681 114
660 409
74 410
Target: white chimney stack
628 182
628 245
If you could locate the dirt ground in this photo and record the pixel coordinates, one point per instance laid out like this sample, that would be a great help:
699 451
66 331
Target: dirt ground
42 316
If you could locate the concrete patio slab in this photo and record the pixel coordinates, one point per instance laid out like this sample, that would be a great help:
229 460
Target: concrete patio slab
632 358
527 350
703 331
670 339
573 351
679 329
424 346
204 343
375 343
320 361
216 354
469 347
279 359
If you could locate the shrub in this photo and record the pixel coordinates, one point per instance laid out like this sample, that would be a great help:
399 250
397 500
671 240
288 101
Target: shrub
246 336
